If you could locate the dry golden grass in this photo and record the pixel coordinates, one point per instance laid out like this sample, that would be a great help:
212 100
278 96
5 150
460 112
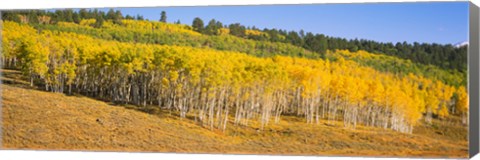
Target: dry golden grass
50 121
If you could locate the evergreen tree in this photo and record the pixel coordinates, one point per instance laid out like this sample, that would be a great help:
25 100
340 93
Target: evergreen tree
84 14
98 21
129 17
163 17
111 14
68 13
58 16
294 38
237 29
117 19
76 18
140 17
198 25
212 27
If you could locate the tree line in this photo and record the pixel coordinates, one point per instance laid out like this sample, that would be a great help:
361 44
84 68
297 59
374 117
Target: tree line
222 87
443 56
183 35
175 34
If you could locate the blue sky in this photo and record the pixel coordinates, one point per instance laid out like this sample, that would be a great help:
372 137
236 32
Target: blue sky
444 23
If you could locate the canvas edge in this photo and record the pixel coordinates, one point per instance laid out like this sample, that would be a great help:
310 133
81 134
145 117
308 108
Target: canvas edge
1 90
473 79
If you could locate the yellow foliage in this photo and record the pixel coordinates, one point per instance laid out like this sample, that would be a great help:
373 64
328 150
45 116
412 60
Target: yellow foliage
462 100
86 22
249 32
403 99
224 31
443 112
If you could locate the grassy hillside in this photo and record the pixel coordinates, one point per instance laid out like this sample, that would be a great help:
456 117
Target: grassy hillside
35 119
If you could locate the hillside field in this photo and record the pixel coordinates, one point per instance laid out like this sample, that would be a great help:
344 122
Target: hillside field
35 119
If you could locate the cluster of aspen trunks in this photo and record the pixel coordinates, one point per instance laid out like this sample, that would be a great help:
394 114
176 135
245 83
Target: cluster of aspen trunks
222 87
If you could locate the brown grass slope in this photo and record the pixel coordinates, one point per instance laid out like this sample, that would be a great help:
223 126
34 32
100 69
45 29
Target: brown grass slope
50 121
